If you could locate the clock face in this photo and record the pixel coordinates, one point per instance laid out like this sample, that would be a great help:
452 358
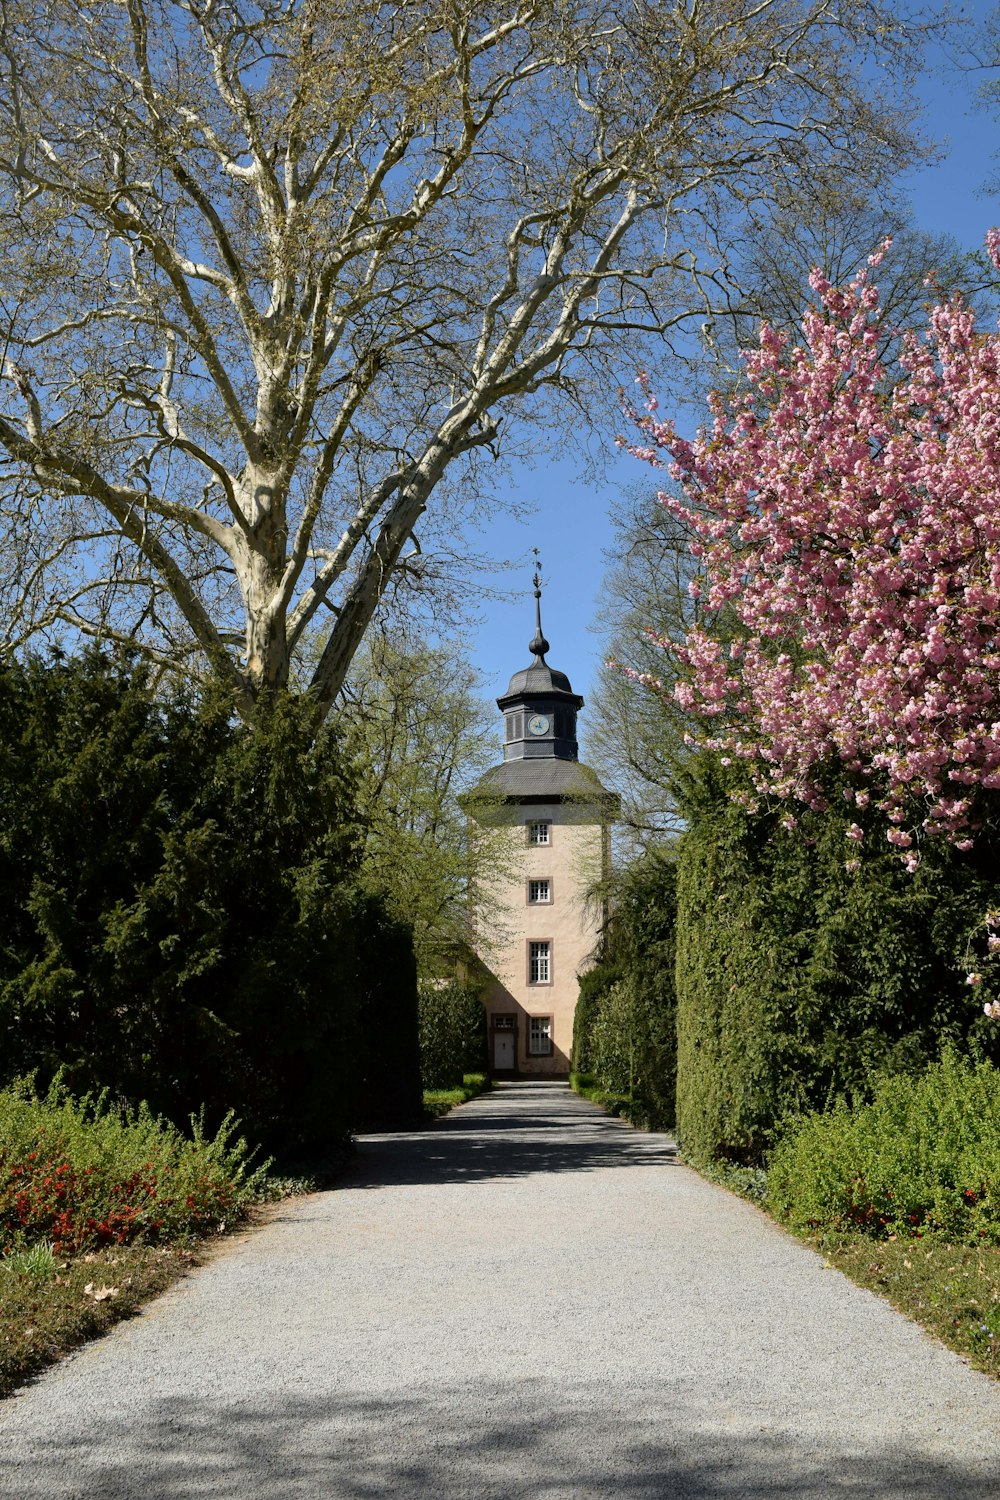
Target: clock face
539 724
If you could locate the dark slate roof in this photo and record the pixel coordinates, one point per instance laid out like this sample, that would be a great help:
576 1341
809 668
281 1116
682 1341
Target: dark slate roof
539 678
545 779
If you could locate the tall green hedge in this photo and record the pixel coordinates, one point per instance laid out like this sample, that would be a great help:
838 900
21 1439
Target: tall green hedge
624 1031
798 978
182 923
452 1034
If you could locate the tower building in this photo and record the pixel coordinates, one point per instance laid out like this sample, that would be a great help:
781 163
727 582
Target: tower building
537 916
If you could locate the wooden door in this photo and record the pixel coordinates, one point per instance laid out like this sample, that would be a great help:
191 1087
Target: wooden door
503 1051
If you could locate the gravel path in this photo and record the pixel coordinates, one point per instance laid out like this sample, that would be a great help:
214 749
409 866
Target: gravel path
530 1300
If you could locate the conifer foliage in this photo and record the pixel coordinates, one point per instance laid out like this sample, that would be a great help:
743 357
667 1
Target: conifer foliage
624 1029
802 976
182 921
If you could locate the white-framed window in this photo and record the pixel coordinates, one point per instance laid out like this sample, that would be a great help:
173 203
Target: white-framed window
539 1036
540 963
539 892
538 833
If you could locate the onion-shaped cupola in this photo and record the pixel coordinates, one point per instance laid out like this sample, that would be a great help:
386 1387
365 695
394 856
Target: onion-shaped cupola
539 706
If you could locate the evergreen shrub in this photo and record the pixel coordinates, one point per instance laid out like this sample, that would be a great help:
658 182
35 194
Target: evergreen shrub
807 965
183 923
922 1158
624 1026
452 1034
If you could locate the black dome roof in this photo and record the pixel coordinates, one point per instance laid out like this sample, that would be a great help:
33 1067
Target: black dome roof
538 678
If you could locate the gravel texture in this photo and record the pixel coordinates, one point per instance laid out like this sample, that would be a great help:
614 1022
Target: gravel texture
528 1300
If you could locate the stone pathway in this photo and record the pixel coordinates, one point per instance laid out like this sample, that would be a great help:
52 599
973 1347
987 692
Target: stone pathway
529 1300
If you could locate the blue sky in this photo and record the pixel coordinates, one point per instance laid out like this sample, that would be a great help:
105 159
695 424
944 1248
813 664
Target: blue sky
571 525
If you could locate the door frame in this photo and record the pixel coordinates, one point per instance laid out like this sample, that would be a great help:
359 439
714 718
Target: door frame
508 1027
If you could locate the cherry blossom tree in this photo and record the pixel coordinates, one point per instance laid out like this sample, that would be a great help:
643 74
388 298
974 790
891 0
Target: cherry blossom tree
846 522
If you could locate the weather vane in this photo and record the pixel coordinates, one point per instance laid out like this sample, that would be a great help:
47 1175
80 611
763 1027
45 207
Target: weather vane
539 645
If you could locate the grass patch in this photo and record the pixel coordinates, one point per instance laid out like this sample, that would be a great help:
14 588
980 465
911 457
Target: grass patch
438 1102
47 1310
902 1194
589 1087
952 1291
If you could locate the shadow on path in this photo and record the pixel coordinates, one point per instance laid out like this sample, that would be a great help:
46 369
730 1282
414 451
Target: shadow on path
523 1444
523 1127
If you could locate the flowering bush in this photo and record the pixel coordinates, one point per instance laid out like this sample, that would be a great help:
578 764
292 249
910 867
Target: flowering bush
79 1175
848 531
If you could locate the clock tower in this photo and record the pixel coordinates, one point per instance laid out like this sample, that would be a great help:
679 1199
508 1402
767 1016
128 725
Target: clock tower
536 920
539 706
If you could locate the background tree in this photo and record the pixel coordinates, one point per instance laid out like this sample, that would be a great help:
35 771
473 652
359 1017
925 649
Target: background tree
276 276
419 734
833 226
637 739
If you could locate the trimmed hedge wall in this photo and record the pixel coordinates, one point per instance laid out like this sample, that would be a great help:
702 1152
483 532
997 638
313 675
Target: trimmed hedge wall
799 978
182 922
624 1029
452 1033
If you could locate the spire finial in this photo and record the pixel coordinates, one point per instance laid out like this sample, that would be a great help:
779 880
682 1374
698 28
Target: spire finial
539 645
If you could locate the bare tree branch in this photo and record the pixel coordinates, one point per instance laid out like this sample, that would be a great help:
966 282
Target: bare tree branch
267 305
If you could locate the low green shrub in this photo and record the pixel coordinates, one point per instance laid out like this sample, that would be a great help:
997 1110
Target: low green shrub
77 1174
438 1102
922 1158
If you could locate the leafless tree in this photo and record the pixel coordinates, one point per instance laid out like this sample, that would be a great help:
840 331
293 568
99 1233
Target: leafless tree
277 274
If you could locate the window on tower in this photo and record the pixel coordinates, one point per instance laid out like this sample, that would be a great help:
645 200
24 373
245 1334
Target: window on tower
538 833
539 892
540 963
540 1036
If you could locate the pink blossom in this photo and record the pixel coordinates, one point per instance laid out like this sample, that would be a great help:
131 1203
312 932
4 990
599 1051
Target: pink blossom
851 527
